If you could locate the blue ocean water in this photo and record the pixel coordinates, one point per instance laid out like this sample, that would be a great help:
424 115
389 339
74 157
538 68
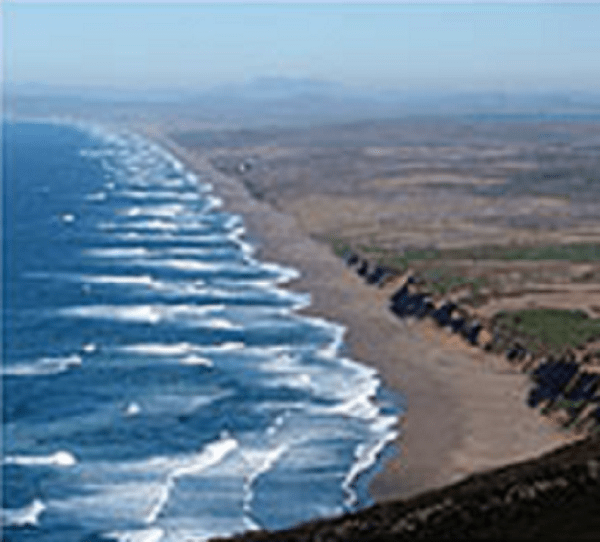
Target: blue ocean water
158 384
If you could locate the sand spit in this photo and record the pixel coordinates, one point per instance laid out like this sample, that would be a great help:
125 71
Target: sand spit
466 412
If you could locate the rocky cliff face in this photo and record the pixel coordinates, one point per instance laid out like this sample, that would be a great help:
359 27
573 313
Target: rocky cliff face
554 497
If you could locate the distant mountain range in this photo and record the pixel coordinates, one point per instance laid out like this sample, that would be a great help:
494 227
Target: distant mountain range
285 101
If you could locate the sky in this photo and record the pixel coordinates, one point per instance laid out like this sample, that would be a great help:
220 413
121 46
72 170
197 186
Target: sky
414 46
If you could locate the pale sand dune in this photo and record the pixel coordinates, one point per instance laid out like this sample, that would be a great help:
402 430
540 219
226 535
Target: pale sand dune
466 411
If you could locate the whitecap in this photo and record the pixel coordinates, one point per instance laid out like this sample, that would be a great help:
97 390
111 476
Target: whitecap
133 409
145 280
212 202
236 233
298 381
221 323
67 217
160 194
160 349
234 221
332 349
181 264
360 406
89 348
28 516
165 211
193 359
43 366
157 224
128 252
61 458
153 534
96 196
258 462
283 274
160 237
151 314
366 456
211 455
229 346
135 313
189 251
173 183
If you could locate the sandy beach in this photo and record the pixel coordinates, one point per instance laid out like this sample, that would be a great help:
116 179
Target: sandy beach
465 410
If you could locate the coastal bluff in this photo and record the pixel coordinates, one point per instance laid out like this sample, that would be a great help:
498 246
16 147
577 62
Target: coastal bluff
554 497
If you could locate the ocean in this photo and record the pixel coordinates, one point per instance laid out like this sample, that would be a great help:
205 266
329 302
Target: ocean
159 383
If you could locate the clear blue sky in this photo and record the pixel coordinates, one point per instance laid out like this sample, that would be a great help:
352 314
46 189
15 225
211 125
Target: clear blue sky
411 46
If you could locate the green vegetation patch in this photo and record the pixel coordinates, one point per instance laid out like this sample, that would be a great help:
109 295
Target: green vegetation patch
339 246
557 328
442 280
575 252
399 260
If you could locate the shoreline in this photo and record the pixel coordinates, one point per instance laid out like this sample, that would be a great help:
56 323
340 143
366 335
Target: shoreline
466 412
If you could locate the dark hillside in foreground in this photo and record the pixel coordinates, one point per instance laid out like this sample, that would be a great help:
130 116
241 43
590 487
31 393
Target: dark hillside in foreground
553 498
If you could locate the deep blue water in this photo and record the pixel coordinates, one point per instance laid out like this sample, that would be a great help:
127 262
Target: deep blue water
158 384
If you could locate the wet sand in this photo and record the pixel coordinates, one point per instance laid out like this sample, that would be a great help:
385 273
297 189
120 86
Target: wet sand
466 410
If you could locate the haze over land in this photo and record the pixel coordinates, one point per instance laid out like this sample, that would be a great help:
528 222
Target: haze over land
289 64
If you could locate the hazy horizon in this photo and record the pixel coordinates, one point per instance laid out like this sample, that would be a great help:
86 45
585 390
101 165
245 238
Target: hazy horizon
191 47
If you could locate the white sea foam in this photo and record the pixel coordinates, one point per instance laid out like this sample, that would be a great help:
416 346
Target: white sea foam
120 252
141 313
258 462
193 359
360 406
152 314
188 251
296 380
179 238
160 194
283 274
28 516
160 349
145 280
96 153
164 211
212 202
169 404
189 353
89 348
234 221
133 409
366 456
156 224
212 454
221 323
43 366
186 353
153 534
61 458
96 196
67 217
228 346
181 264
332 349
233 467
227 459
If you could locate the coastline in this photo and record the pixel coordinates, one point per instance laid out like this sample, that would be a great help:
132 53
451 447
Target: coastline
466 412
